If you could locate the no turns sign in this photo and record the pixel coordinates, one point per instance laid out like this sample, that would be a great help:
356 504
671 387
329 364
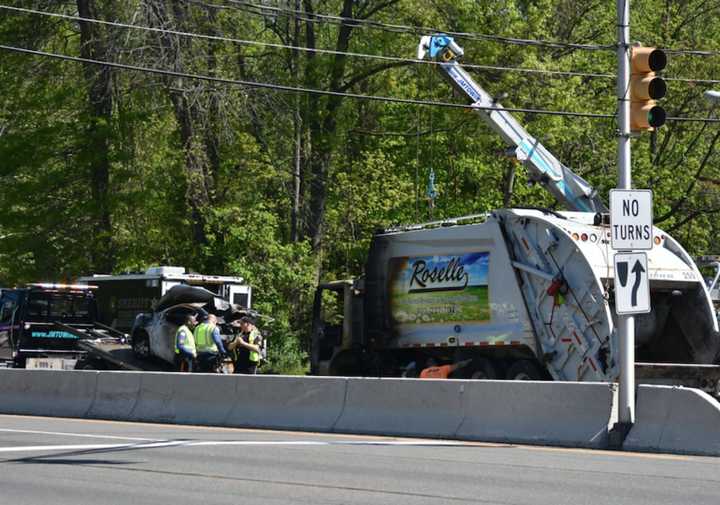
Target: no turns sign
631 219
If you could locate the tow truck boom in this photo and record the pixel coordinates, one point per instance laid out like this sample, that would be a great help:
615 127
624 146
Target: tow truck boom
569 188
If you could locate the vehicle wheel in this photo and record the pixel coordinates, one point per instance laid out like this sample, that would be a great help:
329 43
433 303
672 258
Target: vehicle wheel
524 370
348 364
84 365
482 369
141 345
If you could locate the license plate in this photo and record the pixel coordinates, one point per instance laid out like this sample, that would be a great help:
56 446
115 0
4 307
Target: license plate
50 363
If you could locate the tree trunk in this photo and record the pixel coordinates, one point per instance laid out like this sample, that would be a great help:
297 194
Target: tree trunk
176 49
94 44
323 130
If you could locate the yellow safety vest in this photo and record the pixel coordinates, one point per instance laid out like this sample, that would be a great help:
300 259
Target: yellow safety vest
254 356
189 339
203 338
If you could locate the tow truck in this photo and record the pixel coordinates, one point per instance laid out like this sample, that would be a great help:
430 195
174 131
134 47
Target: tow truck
49 326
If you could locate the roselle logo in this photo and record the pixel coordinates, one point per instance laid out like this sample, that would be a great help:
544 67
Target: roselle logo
451 276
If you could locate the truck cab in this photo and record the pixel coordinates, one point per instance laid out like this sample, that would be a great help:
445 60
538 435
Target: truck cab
34 323
337 328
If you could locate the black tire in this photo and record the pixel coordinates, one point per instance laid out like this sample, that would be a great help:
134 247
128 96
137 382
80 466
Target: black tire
482 369
348 364
85 365
141 345
524 370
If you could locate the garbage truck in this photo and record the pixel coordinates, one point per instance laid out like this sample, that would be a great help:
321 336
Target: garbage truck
522 293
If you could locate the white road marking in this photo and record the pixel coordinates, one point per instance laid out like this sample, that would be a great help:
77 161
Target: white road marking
87 447
60 433
201 443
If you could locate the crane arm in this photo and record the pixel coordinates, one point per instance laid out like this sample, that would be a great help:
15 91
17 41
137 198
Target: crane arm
567 187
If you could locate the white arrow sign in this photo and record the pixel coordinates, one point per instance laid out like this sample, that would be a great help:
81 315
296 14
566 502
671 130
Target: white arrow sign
631 219
632 286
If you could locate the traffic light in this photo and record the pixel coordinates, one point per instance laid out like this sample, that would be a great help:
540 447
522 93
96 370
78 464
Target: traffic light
645 88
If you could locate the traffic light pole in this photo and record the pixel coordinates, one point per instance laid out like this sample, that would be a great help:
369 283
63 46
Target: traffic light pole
625 324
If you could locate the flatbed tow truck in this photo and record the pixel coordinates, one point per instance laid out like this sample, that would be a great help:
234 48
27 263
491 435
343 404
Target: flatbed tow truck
54 326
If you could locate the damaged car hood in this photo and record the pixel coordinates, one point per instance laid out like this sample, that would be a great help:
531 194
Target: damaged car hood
183 294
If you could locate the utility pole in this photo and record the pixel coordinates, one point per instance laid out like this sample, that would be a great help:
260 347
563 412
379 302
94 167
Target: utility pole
625 323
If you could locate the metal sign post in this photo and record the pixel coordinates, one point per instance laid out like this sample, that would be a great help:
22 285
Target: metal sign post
626 323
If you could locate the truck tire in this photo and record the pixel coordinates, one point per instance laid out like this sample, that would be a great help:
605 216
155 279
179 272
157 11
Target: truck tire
141 345
347 364
524 370
482 369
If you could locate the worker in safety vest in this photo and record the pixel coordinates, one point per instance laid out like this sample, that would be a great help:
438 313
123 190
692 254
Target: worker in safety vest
185 352
247 346
208 344
434 371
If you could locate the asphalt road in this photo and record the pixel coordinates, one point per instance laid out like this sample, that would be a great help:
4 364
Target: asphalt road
69 461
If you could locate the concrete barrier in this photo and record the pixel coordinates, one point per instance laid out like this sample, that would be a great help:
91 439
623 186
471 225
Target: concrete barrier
164 397
116 395
47 392
668 419
204 398
554 413
519 412
156 399
284 402
676 420
431 408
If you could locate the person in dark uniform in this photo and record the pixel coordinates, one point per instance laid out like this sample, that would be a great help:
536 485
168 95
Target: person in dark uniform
247 346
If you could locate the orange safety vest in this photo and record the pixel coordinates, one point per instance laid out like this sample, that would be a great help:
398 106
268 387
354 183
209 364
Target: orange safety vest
436 372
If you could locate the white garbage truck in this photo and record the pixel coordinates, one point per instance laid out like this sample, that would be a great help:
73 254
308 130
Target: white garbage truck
516 293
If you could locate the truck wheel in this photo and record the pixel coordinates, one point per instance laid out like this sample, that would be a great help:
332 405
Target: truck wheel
141 345
483 369
524 370
84 365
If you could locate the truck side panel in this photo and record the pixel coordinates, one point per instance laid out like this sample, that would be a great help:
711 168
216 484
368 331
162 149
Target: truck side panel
119 301
444 287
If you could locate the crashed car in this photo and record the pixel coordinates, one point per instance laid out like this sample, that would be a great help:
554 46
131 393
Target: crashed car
153 333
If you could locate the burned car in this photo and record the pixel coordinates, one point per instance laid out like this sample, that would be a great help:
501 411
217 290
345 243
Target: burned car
153 333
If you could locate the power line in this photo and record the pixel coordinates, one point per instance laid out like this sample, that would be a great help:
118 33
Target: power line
692 52
565 73
298 48
295 89
693 81
258 9
419 30
693 119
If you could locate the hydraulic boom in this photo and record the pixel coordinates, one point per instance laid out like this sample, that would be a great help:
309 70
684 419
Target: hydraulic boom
569 188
